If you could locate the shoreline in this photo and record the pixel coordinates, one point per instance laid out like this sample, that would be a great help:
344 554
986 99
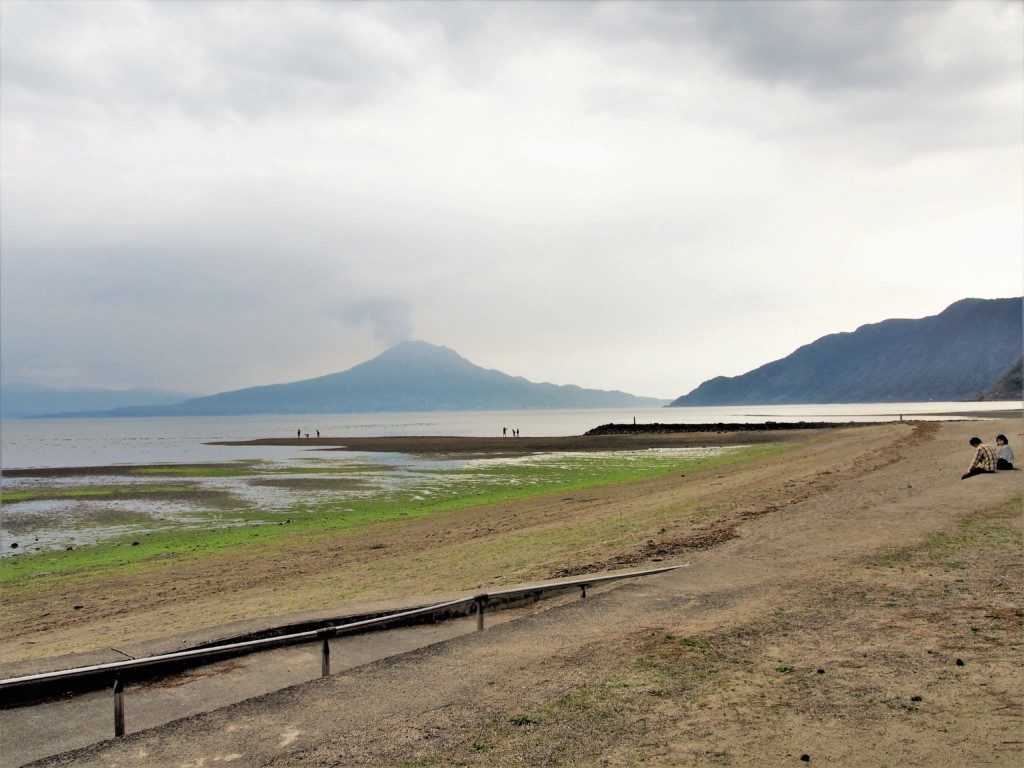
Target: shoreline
607 437
445 446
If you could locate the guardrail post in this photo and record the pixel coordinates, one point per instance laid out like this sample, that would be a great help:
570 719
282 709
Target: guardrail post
325 657
118 709
583 591
481 601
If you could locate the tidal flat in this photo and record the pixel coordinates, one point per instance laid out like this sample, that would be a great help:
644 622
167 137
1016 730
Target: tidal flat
77 521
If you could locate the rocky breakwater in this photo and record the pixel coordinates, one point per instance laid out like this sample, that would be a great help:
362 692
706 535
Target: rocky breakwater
768 426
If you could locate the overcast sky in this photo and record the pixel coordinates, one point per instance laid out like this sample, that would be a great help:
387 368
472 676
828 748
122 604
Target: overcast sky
204 196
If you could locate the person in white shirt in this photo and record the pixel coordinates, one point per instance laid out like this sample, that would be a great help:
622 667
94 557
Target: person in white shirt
1004 453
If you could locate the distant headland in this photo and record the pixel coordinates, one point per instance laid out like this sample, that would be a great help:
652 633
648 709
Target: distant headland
967 352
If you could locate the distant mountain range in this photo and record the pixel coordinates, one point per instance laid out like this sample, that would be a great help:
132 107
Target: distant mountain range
958 354
18 400
971 350
411 376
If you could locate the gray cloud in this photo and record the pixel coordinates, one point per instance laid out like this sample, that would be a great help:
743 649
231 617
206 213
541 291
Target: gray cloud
200 196
215 60
822 46
906 65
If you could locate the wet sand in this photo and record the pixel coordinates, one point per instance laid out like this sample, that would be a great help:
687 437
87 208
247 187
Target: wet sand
456 447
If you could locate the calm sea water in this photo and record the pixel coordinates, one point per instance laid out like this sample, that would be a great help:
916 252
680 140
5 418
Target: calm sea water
86 442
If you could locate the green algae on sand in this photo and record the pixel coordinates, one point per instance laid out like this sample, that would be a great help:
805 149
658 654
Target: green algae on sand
430 492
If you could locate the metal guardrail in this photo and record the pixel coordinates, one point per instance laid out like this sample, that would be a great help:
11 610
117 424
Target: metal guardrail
147 667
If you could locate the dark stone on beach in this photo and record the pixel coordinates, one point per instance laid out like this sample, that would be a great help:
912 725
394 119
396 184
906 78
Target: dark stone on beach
806 758
14 545
915 698
959 662
78 607
821 671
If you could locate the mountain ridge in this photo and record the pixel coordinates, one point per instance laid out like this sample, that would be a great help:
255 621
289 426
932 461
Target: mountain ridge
954 355
410 376
18 400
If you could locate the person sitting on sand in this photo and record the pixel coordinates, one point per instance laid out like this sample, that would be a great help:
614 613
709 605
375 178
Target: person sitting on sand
1004 453
984 459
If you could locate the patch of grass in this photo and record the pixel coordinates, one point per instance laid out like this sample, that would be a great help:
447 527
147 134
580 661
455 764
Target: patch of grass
197 470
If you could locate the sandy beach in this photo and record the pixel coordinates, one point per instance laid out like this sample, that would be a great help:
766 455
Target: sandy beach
848 598
520 540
